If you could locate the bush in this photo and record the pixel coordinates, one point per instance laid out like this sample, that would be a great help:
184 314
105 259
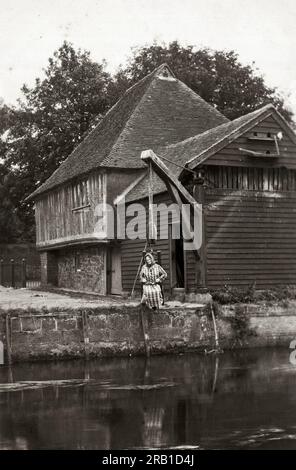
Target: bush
233 295
240 323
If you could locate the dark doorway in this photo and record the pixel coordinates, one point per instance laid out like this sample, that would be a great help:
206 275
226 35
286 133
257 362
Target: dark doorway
176 260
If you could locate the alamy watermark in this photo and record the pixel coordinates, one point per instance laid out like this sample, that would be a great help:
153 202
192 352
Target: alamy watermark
137 221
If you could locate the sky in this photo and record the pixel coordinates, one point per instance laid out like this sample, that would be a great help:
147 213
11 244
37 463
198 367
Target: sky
263 31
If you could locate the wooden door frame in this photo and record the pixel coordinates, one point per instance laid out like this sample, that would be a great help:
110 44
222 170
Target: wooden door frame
109 269
170 258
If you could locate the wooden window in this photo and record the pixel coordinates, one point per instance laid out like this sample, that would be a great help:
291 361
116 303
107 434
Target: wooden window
80 196
261 136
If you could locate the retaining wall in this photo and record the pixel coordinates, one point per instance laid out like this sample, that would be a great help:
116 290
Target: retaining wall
103 332
114 331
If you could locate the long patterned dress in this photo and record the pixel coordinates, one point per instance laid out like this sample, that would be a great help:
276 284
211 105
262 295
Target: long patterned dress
151 277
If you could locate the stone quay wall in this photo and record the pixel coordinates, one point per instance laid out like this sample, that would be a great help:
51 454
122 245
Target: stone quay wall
117 331
99 332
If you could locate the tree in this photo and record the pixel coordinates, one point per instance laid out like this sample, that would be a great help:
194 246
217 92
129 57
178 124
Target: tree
50 120
11 228
217 76
55 114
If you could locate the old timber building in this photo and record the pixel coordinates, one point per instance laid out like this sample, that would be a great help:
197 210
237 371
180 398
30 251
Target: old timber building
245 178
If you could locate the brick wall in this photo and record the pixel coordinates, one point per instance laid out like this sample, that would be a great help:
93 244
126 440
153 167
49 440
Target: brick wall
83 269
49 268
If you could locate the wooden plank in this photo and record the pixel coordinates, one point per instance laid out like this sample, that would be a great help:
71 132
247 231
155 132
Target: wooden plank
264 277
241 264
241 249
247 282
251 235
263 271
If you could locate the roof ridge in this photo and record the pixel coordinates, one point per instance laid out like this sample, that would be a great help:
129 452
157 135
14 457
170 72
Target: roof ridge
153 72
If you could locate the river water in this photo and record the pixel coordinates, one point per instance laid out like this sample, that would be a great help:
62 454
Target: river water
242 399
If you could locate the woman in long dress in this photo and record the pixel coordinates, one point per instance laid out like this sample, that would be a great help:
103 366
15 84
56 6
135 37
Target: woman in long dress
151 277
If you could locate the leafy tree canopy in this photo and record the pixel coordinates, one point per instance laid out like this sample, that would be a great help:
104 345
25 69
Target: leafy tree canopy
217 76
48 122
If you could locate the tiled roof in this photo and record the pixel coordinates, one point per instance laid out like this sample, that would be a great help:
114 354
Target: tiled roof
140 191
157 111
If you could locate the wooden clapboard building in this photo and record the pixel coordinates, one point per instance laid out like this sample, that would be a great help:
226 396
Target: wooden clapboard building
247 185
75 254
242 171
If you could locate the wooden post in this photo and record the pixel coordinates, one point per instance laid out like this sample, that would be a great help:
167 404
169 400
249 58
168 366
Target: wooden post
8 339
12 271
24 273
85 331
1 272
159 257
185 272
161 285
199 196
145 333
140 267
137 275
215 328
1 353
151 234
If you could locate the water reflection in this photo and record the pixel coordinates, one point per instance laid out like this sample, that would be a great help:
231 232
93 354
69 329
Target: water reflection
242 399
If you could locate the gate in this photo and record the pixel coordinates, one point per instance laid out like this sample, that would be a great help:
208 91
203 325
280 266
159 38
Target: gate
19 274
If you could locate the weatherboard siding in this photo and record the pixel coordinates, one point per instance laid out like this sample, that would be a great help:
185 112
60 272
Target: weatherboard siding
251 212
231 156
251 237
131 252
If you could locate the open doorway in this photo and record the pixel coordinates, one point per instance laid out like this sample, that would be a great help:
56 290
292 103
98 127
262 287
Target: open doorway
177 271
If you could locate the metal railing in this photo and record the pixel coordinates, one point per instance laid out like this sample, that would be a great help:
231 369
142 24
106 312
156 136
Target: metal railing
19 274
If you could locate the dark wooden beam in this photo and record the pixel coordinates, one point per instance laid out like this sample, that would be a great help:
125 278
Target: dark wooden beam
199 195
167 176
